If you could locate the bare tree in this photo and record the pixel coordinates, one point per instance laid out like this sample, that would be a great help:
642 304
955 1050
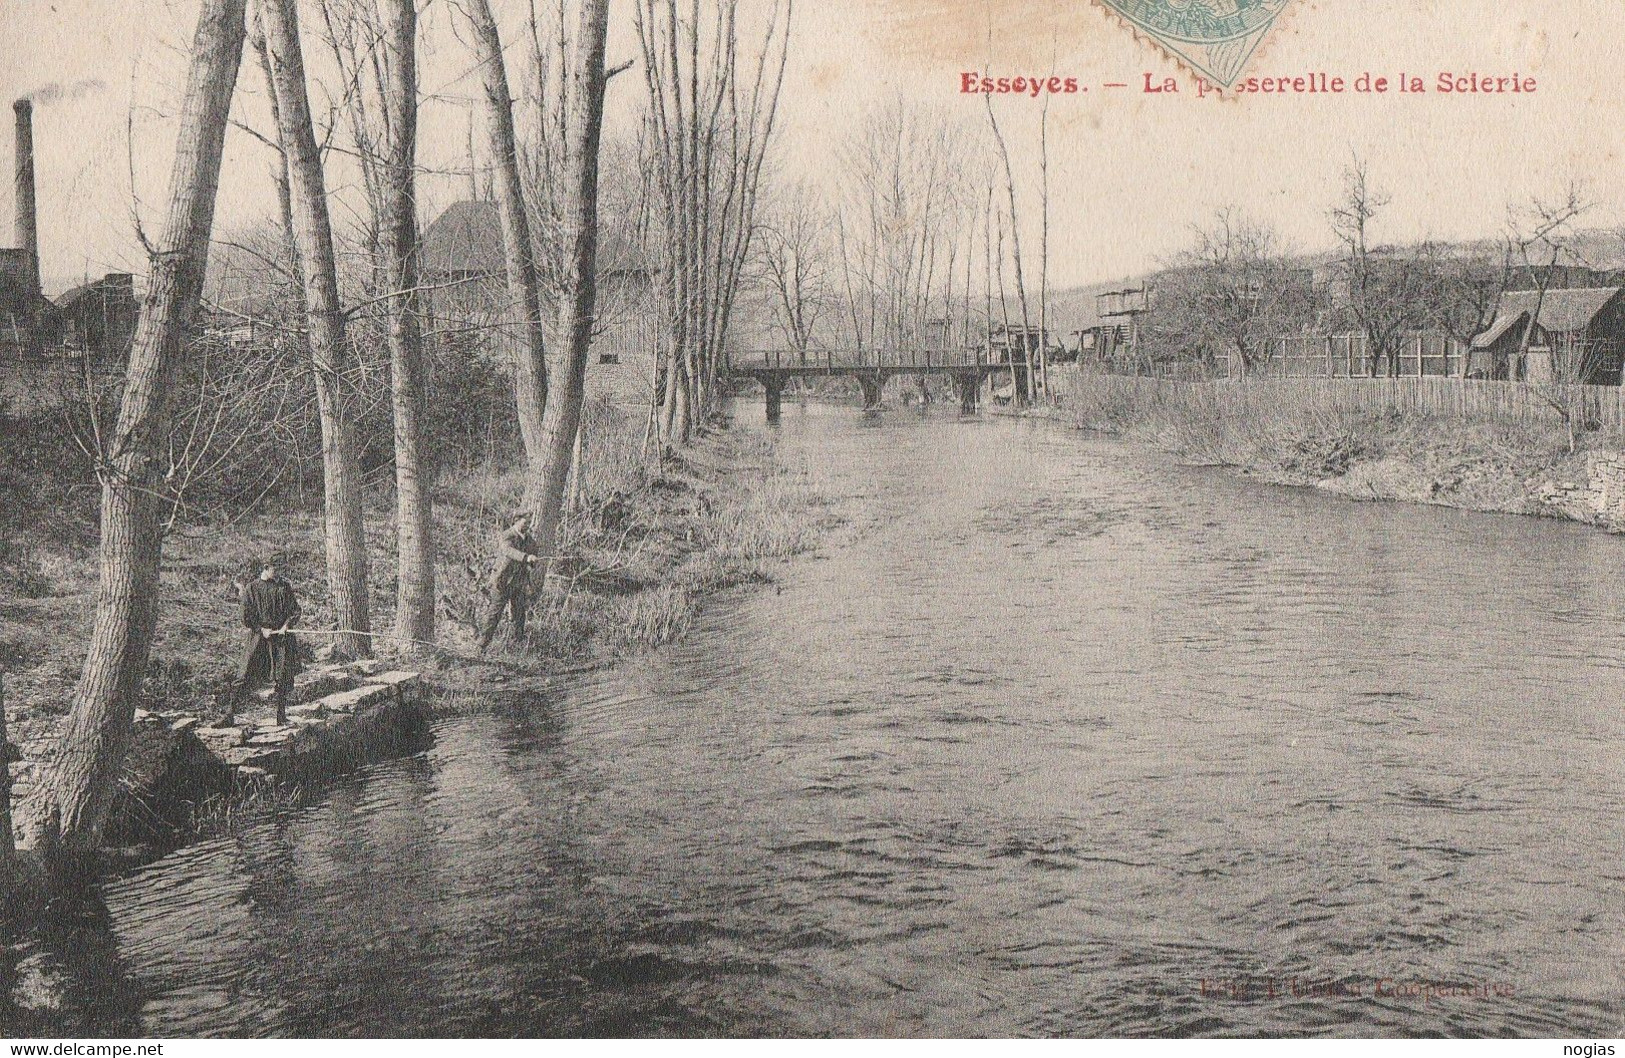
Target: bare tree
583 128
354 34
708 130
1468 288
279 170
792 259
1043 249
1231 290
1024 393
85 773
330 354
529 353
374 47
398 246
625 185
1389 288
1540 236
906 202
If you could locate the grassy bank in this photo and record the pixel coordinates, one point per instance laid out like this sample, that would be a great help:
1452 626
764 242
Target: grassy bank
645 546
1364 449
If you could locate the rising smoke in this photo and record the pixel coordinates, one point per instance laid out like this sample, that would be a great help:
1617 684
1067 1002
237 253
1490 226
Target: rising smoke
57 92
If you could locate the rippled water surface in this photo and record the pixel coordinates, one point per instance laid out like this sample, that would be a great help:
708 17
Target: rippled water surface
1068 741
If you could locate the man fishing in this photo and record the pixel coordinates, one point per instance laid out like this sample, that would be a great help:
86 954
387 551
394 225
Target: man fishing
510 584
270 653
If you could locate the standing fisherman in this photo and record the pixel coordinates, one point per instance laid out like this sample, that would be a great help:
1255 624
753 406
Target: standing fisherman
270 654
510 584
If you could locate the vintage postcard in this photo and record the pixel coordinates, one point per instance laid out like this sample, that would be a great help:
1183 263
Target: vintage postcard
858 519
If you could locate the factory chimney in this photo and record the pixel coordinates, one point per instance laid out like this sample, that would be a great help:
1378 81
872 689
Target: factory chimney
27 225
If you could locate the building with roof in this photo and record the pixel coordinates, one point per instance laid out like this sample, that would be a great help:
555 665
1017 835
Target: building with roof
1563 277
468 307
1080 322
1569 335
464 242
28 320
98 318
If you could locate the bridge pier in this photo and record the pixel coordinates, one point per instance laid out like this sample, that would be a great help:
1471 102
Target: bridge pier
1021 380
872 383
774 387
969 386
966 369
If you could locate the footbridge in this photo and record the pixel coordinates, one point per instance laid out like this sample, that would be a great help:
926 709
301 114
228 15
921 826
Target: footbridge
968 368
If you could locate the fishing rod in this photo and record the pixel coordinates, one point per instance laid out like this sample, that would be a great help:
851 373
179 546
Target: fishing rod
475 659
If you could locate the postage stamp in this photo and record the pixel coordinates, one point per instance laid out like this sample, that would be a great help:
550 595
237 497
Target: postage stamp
1215 37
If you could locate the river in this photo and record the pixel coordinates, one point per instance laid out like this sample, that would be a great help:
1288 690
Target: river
1065 739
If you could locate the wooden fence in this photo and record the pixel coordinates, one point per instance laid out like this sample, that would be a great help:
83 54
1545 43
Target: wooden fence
1348 356
1592 407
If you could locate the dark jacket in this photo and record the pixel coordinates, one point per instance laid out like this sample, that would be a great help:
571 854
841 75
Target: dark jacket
269 604
513 569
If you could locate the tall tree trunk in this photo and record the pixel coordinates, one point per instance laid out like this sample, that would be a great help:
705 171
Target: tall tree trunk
987 265
1025 391
708 134
682 417
579 213
668 398
414 510
279 173
1043 251
8 841
697 410
329 350
529 354
81 786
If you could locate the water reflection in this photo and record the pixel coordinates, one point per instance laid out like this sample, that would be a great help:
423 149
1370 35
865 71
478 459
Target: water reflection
1068 742
67 976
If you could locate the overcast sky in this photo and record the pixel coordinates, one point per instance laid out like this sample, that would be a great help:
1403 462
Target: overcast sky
1129 172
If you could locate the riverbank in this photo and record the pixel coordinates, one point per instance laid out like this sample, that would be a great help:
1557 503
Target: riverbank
1043 683
645 547
1526 466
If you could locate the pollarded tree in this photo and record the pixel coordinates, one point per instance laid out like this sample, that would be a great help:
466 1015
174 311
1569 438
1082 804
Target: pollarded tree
1239 287
85 773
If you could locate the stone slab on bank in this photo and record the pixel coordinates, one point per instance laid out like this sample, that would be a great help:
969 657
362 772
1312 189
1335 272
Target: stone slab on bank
339 704
341 710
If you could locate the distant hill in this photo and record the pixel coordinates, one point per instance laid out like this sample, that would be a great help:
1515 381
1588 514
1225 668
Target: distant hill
1077 308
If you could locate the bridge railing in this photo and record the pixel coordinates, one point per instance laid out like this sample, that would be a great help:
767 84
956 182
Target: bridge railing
856 359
